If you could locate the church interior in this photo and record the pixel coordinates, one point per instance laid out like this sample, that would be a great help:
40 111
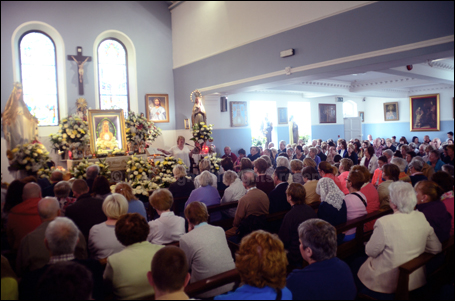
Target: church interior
339 69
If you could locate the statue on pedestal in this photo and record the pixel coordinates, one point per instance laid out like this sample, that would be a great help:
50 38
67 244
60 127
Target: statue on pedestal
198 114
266 128
19 125
293 131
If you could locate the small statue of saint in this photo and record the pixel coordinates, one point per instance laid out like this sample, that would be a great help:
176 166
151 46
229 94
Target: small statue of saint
266 128
198 115
293 131
19 125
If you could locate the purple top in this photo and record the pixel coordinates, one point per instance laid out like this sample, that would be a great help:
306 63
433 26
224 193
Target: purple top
208 195
439 218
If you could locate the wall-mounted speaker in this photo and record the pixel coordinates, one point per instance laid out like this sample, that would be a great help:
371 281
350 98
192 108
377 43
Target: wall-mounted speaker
223 104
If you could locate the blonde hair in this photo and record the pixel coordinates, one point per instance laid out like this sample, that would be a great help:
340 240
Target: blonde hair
308 162
179 171
180 137
115 205
296 165
204 165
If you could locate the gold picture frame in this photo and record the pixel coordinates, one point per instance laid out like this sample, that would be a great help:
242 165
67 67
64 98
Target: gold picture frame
160 113
112 124
424 113
391 112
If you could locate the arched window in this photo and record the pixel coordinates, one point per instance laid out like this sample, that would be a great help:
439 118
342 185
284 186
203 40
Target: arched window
113 76
349 109
38 72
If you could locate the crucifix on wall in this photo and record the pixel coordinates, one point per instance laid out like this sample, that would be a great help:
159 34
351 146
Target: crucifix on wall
80 61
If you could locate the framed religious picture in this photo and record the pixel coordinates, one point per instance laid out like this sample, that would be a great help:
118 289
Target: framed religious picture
239 113
282 115
327 113
362 116
424 110
391 112
157 107
107 130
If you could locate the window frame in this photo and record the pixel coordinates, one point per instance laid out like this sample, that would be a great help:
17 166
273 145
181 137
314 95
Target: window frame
127 72
55 69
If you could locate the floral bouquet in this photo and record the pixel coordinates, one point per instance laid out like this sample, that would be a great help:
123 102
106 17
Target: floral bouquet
138 169
214 163
202 132
102 144
259 141
58 145
100 153
29 157
74 130
46 172
79 171
164 175
118 152
139 129
140 187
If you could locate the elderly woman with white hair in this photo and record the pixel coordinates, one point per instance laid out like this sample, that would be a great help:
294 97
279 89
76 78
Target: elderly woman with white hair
102 241
204 165
234 192
397 238
183 185
206 194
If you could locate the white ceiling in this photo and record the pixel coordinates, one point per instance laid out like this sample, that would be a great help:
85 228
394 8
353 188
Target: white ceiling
389 82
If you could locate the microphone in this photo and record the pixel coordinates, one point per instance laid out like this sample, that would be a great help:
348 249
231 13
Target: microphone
189 145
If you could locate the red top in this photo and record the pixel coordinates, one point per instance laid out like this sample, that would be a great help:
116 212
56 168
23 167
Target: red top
233 157
22 219
373 202
342 179
336 180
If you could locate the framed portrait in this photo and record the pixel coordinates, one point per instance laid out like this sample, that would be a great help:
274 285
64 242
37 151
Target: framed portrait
391 112
282 115
157 107
424 110
107 130
327 113
362 116
238 113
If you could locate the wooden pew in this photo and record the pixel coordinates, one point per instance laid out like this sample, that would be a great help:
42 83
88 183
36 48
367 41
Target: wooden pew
406 269
224 223
205 285
357 244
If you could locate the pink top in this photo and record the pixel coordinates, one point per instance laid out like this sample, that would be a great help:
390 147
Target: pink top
355 208
373 202
335 179
447 199
342 179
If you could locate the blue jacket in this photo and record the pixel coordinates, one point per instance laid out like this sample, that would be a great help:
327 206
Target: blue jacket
247 292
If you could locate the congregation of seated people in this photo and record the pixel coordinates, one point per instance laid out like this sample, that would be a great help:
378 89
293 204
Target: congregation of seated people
272 216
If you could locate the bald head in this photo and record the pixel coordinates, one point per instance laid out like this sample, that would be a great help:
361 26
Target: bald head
31 190
48 208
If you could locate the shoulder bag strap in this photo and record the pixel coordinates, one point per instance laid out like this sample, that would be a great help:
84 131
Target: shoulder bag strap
363 201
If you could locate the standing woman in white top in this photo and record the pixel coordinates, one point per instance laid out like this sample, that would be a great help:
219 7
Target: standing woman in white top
179 151
168 227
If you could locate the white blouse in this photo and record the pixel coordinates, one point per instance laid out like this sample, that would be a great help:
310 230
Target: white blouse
183 154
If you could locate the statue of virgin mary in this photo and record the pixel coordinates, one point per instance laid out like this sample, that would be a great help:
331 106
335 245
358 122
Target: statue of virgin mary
19 125
198 115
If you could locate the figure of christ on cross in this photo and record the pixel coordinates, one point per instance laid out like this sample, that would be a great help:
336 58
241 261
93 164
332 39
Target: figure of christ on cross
80 61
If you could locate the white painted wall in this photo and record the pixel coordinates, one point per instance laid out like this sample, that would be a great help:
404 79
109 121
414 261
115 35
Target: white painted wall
204 28
374 106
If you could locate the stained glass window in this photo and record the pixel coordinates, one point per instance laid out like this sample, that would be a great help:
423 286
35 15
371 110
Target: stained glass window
112 76
39 77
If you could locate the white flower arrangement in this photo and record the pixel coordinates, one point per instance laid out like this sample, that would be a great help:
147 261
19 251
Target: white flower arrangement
102 144
202 132
72 130
164 171
214 163
79 171
138 169
29 157
139 129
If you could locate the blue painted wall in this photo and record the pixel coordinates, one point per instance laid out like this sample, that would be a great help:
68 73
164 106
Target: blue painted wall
235 138
327 131
283 134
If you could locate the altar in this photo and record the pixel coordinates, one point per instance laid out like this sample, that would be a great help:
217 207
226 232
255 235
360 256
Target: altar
117 164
